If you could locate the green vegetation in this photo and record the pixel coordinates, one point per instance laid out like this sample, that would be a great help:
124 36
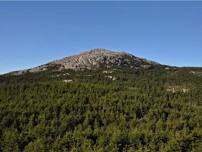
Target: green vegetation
113 110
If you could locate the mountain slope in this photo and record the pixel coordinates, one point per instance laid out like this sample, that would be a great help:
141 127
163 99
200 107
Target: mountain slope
101 57
94 59
113 107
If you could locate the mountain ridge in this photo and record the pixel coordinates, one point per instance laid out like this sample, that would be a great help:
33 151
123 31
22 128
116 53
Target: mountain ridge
94 59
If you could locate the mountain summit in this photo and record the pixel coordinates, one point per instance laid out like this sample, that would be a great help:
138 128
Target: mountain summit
94 59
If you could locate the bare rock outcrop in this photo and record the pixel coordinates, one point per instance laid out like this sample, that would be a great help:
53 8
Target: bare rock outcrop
94 59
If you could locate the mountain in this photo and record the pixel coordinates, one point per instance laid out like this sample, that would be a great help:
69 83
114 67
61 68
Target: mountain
95 59
101 101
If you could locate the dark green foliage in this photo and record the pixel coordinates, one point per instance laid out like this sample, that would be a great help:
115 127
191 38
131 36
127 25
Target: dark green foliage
154 109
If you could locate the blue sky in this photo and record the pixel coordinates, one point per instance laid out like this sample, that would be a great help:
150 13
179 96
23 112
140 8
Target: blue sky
34 33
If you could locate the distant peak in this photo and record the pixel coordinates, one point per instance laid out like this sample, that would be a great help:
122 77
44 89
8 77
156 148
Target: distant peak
103 51
100 57
99 51
95 58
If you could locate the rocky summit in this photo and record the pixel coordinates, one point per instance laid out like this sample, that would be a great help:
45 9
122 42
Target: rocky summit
94 59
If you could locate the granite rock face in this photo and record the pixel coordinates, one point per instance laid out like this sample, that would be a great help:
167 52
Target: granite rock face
94 59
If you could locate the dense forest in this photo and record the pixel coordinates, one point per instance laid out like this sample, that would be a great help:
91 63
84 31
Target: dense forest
104 110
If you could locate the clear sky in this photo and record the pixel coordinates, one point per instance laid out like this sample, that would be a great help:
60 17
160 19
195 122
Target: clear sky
34 33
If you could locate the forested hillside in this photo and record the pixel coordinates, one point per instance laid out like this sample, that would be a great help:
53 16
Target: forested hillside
117 109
